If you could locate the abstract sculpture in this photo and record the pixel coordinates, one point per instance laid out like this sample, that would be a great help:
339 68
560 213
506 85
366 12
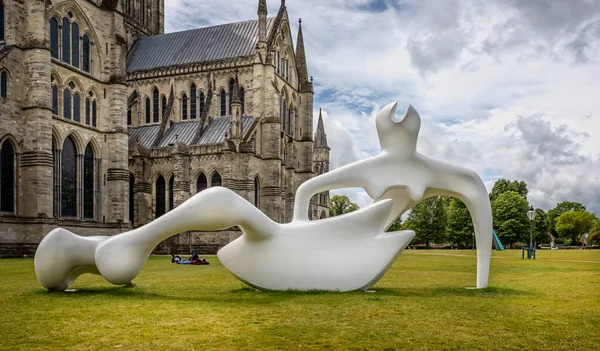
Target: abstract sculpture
303 254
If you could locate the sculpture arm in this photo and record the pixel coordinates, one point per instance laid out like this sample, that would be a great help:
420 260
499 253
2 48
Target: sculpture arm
469 188
348 176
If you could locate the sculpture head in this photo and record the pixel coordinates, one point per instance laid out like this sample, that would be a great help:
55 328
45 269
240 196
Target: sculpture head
398 133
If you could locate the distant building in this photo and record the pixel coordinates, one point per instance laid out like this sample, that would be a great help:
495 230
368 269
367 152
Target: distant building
106 123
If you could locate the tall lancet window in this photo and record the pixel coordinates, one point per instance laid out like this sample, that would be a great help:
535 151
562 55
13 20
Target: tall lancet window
68 168
193 102
223 98
184 107
88 183
256 192
201 183
7 177
202 103
171 192
243 100
216 179
54 38
66 40
160 196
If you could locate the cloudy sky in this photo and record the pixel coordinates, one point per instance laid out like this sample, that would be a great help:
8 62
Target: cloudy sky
509 88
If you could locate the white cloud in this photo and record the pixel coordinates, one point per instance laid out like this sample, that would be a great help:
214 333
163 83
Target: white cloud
509 88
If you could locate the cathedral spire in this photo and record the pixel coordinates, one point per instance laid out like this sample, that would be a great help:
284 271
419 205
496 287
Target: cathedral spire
305 86
320 136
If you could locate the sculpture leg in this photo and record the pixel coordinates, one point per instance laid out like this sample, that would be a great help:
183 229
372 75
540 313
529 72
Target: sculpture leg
63 256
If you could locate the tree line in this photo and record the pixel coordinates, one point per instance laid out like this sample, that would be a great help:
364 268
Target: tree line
446 220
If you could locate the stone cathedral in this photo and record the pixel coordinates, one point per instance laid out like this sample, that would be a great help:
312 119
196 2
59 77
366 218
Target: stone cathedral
107 123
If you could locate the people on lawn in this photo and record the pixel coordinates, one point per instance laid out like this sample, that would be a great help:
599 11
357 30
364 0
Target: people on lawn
194 260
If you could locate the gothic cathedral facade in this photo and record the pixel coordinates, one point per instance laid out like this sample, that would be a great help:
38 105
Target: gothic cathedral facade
106 123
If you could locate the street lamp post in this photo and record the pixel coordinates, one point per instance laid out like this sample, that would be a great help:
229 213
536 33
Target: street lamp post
531 215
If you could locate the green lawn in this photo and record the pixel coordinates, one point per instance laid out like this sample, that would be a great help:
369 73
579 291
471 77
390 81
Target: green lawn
552 303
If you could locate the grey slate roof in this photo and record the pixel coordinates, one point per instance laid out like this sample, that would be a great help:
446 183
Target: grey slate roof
185 132
146 134
194 46
218 127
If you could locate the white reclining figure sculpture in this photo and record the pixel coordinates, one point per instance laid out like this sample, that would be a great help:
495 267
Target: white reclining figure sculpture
344 253
402 174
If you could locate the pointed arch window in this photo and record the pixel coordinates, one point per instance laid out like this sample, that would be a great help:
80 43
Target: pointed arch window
3 84
75 44
55 100
54 37
155 98
184 107
66 41
256 192
160 196
67 104
85 55
202 103
7 177
88 183
243 100
163 105
193 102
131 197
129 117
216 180
88 108
147 111
171 192
201 183
223 103
94 113
143 11
76 107
68 168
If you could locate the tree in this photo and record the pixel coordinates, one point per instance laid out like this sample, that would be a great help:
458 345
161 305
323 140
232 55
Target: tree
459 225
510 217
540 227
397 225
428 219
573 224
340 204
561 208
504 185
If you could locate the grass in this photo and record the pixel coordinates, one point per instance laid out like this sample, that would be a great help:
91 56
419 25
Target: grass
552 303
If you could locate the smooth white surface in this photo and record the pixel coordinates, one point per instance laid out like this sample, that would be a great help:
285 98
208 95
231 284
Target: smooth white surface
402 174
343 253
348 252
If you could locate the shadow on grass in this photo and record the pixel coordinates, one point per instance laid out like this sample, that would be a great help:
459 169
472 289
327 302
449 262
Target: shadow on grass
251 296
491 292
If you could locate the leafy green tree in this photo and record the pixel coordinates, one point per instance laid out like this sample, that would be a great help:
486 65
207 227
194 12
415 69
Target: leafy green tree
459 225
573 224
397 225
504 185
340 204
428 219
540 227
553 214
510 217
